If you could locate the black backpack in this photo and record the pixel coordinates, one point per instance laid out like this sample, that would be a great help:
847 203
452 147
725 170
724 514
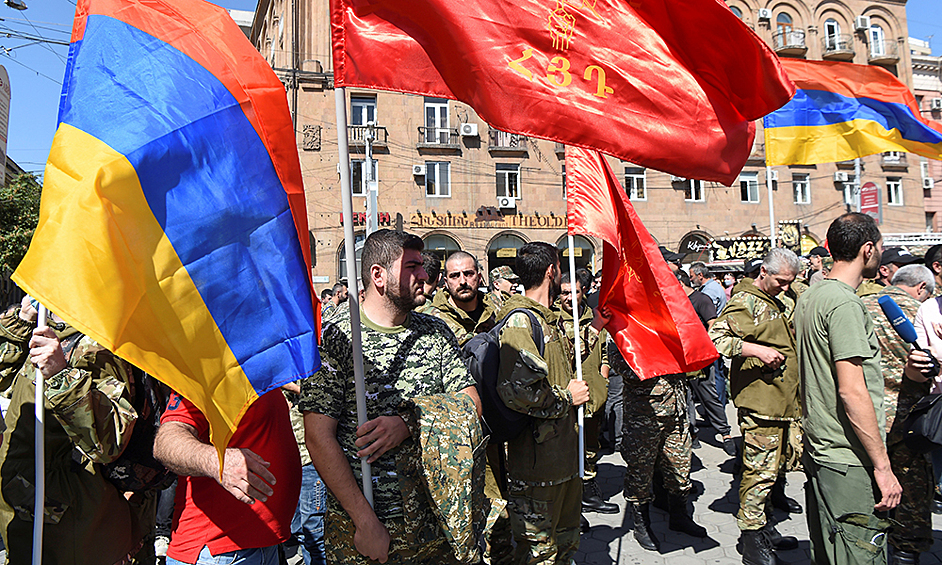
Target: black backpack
482 356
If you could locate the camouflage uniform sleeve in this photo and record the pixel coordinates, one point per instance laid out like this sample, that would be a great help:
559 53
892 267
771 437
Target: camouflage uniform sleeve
522 383
455 375
727 331
14 345
92 399
323 392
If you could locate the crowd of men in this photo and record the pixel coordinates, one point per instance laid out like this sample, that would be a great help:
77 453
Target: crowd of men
820 380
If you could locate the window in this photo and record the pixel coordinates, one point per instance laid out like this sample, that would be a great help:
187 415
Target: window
924 168
436 121
894 191
832 32
437 178
849 187
877 43
693 190
358 239
783 23
749 187
508 180
363 110
802 185
634 183
358 176
892 156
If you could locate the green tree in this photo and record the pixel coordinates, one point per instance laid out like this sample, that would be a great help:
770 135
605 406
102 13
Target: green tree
19 214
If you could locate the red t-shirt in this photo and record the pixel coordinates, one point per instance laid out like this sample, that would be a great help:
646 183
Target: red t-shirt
206 514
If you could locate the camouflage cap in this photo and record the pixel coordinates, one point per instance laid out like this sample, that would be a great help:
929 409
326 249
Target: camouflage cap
503 272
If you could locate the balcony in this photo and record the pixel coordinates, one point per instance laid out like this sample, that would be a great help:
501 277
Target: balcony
894 161
502 142
883 52
789 42
838 47
356 136
560 149
443 139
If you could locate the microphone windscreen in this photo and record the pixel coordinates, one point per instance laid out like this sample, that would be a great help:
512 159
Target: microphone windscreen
899 321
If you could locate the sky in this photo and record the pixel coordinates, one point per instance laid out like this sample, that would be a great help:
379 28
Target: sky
36 68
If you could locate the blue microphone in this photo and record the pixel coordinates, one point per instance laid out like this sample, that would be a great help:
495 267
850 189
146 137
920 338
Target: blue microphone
905 329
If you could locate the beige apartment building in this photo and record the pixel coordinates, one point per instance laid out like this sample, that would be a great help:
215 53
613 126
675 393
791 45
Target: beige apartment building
443 173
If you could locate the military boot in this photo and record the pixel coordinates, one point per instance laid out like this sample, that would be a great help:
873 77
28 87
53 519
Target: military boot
592 500
778 541
900 557
641 516
780 500
756 548
681 519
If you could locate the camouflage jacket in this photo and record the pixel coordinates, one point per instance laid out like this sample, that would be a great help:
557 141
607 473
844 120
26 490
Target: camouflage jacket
91 424
753 316
428 308
893 349
452 448
546 452
461 324
498 297
594 356
418 358
870 287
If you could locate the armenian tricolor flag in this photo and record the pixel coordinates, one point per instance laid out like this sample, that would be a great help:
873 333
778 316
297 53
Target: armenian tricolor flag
843 111
173 228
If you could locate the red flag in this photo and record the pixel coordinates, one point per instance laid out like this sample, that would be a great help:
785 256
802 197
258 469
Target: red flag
669 84
653 322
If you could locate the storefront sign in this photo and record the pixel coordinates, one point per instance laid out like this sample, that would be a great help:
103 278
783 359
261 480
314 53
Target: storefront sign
870 200
730 249
789 235
694 247
359 219
527 221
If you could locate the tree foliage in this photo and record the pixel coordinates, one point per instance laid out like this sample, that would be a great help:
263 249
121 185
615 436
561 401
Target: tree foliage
19 214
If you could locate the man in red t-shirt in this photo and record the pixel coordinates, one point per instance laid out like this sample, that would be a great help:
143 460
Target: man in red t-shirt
247 512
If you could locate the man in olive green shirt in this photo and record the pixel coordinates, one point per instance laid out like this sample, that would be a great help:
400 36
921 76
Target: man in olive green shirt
842 386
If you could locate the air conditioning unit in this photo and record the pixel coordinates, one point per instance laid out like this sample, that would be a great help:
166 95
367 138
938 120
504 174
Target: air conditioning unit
468 130
506 202
927 183
765 14
773 176
862 23
935 104
418 170
678 179
840 176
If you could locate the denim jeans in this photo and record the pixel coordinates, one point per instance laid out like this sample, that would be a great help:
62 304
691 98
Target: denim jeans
259 556
308 522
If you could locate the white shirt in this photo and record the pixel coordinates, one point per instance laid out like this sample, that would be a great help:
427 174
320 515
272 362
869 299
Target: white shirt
926 318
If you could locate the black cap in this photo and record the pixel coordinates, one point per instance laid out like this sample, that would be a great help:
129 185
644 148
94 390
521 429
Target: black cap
897 255
819 251
752 265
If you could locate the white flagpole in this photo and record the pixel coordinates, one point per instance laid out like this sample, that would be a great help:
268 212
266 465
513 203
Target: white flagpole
578 353
768 186
39 502
340 97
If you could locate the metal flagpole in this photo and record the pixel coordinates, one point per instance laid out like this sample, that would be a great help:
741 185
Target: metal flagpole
340 97
768 186
39 502
578 353
857 184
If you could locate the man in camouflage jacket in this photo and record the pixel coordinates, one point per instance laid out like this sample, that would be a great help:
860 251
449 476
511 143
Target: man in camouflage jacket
88 392
911 285
545 492
755 331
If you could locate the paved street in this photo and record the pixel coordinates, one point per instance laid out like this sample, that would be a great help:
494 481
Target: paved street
611 542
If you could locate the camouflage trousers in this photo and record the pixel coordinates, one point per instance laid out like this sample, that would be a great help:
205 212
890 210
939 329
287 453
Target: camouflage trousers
497 532
764 458
656 436
914 513
592 427
409 544
545 522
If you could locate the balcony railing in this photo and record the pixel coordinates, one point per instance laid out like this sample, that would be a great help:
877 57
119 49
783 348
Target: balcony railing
560 149
883 52
357 135
838 47
498 140
789 42
447 138
893 160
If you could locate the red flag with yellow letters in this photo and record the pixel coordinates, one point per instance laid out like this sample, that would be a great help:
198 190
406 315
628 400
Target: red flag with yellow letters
669 84
653 323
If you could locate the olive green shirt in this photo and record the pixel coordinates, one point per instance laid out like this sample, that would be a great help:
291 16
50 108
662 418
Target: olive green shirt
832 324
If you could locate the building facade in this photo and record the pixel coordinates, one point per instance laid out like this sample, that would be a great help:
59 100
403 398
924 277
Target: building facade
443 173
927 86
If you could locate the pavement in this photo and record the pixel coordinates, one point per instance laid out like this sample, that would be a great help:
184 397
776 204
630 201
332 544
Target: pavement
715 500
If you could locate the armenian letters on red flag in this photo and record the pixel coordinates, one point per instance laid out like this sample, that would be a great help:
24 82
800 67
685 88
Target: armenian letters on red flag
653 323
669 84
173 228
